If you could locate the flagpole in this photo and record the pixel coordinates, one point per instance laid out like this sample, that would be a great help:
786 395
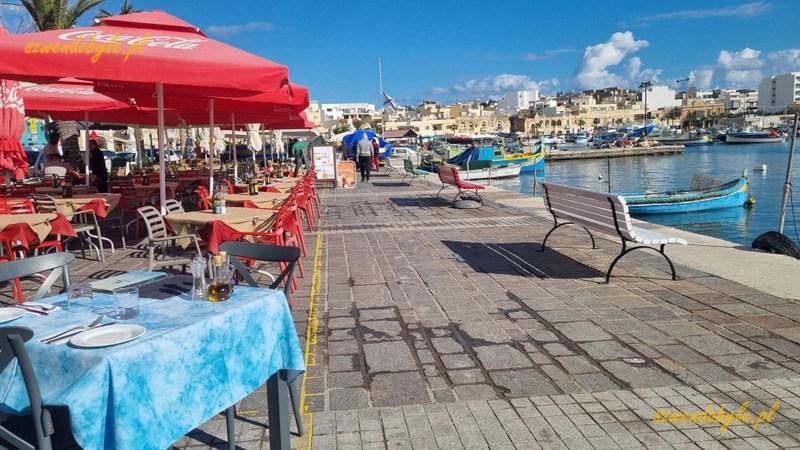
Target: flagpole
380 84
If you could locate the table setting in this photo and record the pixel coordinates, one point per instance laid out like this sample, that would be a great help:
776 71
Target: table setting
140 372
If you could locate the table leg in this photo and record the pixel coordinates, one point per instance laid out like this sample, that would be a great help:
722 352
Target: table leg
278 410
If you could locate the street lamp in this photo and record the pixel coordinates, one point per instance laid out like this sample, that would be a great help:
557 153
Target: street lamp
646 86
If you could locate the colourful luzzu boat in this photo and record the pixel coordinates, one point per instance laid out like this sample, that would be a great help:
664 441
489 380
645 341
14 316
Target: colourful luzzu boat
727 195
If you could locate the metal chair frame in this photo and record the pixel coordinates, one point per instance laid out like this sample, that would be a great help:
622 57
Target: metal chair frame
272 253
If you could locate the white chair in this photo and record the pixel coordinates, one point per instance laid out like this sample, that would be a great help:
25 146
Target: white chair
83 222
55 170
173 206
158 236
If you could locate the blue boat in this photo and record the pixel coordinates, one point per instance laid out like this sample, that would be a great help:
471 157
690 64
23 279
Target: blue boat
704 195
479 155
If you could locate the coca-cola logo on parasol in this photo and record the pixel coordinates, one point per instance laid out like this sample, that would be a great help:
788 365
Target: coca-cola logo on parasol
172 42
59 90
281 109
10 98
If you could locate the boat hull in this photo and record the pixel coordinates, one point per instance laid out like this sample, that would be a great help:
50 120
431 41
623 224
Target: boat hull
530 162
688 201
755 139
509 171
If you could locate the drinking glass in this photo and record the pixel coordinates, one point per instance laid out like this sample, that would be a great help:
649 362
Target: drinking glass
79 297
126 301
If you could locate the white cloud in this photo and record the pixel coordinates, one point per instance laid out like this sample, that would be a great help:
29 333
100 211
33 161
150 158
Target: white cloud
592 71
548 54
752 9
492 87
747 59
226 30
743 78
701 79
746 68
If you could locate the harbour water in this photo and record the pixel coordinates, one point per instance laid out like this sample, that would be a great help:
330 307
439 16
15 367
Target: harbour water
669 172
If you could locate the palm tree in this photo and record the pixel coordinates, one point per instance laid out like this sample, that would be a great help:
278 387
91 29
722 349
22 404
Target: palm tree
125 8
58 15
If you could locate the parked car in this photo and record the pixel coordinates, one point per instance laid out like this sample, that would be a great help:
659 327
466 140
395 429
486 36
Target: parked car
169 154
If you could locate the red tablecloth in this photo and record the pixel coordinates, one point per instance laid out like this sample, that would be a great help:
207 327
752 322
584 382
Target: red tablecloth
23 233
18 232
216 232
97 205
60 225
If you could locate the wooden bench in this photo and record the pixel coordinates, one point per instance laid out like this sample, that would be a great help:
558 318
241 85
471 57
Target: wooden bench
449 177
603 213
414 172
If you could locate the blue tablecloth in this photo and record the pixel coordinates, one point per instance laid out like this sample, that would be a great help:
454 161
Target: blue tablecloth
196 359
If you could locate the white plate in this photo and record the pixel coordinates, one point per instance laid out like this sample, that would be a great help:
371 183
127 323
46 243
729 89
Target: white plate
10 313
105 336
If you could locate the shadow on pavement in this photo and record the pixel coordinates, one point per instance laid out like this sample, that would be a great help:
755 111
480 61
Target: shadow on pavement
520 258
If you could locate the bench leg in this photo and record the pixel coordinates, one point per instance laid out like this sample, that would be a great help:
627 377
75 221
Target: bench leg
440 190
560 225
643 247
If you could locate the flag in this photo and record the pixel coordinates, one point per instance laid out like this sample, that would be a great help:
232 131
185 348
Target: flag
389 101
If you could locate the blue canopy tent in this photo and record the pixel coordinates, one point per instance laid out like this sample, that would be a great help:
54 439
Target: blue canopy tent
352 139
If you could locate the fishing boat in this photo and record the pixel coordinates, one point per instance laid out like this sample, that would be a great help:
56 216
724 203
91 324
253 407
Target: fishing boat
705 193
750 137
478 153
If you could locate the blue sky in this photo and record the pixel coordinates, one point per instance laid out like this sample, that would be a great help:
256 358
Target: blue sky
448 50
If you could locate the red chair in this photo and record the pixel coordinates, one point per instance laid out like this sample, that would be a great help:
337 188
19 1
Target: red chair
25 206
277 235
8 255
203 198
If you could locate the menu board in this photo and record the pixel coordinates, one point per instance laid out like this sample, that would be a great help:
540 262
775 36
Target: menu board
346 174
324 162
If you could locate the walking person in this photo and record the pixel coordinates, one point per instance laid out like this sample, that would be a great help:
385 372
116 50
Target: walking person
364 152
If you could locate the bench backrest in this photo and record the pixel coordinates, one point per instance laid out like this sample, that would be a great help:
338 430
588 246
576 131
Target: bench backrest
590 209
448 175
408 165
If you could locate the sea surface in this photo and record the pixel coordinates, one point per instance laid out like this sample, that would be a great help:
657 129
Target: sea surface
670 172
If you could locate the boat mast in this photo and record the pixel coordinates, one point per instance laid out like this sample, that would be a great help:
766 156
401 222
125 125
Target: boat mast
787 185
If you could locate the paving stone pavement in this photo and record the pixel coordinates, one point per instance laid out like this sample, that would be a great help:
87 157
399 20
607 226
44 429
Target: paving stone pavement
435 327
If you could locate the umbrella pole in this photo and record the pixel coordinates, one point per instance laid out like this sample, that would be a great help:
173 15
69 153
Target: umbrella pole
211 144
86 145
162 169
233 146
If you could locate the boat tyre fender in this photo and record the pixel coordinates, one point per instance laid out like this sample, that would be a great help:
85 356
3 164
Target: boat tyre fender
775 242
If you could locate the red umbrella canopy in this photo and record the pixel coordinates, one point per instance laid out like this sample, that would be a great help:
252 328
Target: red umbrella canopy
222 118
70 99
290 99
12 126
68 95
137 51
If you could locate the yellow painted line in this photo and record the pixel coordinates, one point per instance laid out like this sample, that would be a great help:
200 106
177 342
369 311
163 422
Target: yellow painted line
311 333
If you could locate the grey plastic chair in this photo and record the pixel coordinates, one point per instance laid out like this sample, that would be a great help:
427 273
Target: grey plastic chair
57 262
12 346
270 253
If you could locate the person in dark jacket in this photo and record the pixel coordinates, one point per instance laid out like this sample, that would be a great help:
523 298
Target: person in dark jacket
97 164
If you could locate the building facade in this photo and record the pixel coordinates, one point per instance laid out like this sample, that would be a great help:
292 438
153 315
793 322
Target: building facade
513 102
353 111
779 92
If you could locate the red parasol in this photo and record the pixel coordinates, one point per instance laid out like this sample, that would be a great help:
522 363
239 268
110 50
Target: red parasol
71 99
12 125
140 51
290 99
137 51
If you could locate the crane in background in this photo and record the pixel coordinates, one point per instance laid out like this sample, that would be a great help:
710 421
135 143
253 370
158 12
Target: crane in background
686 86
